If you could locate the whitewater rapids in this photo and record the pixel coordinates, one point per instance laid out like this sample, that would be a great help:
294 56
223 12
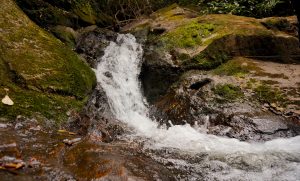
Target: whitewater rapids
118 73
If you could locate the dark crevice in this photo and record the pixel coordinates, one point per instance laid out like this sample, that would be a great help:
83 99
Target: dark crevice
199 84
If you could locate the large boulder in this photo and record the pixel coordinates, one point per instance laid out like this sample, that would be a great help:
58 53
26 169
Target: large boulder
179 39
43 76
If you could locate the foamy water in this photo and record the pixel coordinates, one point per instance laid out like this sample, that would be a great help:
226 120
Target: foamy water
118 74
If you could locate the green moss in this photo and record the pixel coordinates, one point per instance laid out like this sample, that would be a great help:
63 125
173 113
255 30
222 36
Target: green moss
31 103
85 11
238 67
166 11
228 91
188 35
44 76
270 82
206 62
266 93
183 56
267 74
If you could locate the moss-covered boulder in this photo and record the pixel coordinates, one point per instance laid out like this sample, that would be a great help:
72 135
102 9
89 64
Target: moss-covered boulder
179 39
43 75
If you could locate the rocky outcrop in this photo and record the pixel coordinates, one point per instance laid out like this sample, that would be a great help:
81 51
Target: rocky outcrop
44 77
91 43
219 106
179 39
231 75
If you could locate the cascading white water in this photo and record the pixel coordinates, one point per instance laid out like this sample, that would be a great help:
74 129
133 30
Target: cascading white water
118 74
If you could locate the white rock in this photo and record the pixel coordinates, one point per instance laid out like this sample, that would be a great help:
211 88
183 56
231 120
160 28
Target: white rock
3 125
7 101
71 142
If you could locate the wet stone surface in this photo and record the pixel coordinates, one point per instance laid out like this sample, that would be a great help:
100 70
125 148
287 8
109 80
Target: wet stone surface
29 151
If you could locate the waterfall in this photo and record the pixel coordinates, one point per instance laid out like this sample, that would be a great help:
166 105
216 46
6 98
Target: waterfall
118 73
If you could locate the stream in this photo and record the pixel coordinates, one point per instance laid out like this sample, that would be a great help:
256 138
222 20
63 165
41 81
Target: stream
194 154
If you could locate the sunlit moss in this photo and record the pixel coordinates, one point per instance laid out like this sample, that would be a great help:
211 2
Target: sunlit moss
188 35
238 67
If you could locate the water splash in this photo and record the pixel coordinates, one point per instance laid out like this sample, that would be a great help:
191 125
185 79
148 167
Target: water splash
118 73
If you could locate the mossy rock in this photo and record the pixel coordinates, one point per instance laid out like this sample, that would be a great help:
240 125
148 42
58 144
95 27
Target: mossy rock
213 39
74 13
180 40
65 34
46 14
44 76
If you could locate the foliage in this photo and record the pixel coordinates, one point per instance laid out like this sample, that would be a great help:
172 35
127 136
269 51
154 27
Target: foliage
114 13
254 8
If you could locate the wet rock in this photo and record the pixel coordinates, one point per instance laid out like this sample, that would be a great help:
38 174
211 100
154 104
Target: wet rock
96 136
108 74
19 126
269 126
33 162
116 161
56 174
26 77
240 118
91 44
11 162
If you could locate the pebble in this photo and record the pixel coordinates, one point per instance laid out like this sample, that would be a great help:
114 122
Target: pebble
72 141
33 162
11 162
19 126
37 128
3 125
11 145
